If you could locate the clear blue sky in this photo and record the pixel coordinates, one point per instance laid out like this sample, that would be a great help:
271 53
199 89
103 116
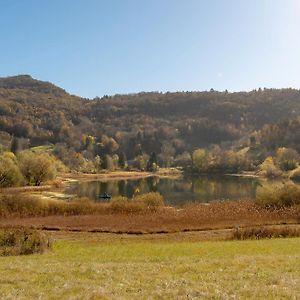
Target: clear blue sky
96 47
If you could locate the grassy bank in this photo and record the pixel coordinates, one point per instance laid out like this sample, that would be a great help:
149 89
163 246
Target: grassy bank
100 267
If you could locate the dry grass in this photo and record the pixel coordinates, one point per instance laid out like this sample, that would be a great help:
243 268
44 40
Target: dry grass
265 232
121 217
88 268
22 242
143 214
27 205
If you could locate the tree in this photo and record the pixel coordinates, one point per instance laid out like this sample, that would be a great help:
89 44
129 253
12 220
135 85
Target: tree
287 159
108 163
140 162
97 163
268 168
183 160
122 160
152 165
10 174
199 159
167 154
36 168
115 159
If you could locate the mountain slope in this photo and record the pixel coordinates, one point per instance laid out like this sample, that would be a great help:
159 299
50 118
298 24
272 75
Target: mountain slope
41 113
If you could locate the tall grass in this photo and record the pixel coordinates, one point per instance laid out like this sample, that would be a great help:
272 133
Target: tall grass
23 205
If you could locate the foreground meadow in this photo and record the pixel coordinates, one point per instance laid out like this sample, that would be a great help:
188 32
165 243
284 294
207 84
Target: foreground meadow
106 266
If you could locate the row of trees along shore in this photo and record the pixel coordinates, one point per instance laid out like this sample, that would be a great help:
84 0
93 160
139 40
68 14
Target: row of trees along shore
33 167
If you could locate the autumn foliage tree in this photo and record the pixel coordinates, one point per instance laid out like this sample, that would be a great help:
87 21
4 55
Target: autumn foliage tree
36 168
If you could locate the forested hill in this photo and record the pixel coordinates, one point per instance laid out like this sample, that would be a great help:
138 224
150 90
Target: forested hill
39 113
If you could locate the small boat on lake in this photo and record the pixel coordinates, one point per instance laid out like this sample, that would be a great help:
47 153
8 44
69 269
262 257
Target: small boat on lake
105 196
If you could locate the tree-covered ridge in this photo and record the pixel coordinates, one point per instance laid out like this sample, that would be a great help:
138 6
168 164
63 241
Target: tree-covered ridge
92 134
26 82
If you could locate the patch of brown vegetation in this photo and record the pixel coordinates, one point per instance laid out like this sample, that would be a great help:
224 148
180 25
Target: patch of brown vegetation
265 232
29 205
192 217
22 242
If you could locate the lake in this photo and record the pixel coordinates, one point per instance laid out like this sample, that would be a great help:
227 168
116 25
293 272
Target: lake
175 191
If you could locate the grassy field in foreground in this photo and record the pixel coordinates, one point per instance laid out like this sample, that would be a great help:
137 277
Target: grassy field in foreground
133 268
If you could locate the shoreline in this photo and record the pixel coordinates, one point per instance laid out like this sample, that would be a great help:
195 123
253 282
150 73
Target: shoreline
65 178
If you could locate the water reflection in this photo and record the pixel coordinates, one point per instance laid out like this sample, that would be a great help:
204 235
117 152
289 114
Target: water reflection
175 191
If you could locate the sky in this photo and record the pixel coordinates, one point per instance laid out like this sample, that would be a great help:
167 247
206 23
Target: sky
104 47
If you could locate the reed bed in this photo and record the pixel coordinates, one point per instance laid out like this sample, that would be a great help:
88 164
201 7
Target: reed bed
143 214
27 205
128 217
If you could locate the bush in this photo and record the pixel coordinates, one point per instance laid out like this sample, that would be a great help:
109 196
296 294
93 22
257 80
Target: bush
150 200
268 168
285 195
22 242
121 205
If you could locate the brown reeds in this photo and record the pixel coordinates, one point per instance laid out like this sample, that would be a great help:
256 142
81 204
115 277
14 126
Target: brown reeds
265 232
27 205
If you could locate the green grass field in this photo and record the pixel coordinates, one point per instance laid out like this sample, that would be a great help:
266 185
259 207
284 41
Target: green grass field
134 268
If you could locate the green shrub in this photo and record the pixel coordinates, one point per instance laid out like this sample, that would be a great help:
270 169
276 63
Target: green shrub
22 242
285 195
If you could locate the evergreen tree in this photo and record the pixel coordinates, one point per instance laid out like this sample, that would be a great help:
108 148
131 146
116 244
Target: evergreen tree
122 160
152 163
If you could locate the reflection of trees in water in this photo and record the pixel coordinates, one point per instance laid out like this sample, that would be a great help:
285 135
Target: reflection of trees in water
152 183
86 189
112 188
175 191
121 187
224 188
204 188
183 186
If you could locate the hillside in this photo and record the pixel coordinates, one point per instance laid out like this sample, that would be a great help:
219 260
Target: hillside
170 124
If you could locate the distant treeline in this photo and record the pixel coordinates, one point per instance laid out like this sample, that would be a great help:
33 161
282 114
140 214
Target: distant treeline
237 131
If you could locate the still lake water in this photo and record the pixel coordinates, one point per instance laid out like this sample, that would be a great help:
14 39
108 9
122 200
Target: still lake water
176 192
